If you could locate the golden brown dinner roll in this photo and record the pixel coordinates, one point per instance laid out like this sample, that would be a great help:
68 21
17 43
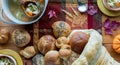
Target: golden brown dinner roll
52 58
78 41
46 43
61 28
20 37
28 52
4 36
61 41
65 52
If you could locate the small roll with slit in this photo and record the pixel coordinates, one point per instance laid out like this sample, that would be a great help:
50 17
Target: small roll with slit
28 52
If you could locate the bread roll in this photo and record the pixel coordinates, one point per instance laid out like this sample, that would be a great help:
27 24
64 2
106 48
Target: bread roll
20 37
74 56
46 43
65 52
52 58
78 41
61 41
61 28
4 36
38 59
28 52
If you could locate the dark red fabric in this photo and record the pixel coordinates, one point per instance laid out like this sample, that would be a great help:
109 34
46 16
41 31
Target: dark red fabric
45 22
95 21
90 18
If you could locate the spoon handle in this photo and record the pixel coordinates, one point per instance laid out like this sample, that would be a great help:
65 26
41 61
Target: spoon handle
80 2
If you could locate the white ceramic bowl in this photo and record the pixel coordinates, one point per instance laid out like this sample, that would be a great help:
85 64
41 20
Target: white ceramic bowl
5 9
9 57
108 6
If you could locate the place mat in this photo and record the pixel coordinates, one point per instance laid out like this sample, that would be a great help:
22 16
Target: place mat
93 21
79 20
106 11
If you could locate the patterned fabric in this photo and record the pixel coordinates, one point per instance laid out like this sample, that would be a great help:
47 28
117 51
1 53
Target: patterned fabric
82 21
95 21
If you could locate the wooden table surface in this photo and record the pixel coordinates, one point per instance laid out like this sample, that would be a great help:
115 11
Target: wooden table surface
107 39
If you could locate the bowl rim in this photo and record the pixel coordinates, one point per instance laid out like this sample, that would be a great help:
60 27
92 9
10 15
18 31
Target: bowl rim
10 57
13 19
109 8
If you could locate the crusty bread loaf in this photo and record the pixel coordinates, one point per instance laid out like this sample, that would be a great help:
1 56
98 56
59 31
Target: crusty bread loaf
46 43
52 58
61 28
20 37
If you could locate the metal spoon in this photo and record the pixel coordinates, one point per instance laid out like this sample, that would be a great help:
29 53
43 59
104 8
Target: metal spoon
82 7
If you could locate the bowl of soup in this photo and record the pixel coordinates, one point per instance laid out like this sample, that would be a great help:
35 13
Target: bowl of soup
113 5
23 11
7 60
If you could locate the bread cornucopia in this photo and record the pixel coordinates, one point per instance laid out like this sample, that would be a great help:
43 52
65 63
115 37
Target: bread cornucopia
94 53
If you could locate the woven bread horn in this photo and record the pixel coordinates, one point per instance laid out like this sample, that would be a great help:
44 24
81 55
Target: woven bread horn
94 52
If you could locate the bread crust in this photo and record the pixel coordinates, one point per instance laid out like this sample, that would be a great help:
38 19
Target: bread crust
61 28
46 43
4 36
28 52
78 41
21 37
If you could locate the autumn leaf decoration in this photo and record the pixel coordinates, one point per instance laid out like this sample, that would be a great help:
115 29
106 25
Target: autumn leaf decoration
52 14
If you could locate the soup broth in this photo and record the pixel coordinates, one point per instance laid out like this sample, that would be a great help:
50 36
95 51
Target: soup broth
6 61
17 11
113 3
